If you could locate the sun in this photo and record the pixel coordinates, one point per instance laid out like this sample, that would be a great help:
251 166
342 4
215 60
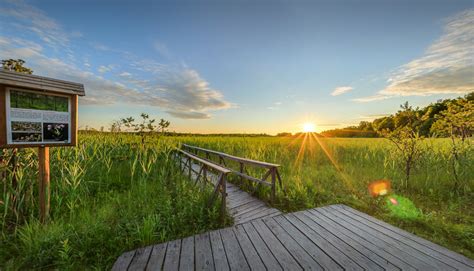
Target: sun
309 127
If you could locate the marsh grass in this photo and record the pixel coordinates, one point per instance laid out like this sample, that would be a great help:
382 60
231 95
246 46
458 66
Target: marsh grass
339 170
109 195
112 193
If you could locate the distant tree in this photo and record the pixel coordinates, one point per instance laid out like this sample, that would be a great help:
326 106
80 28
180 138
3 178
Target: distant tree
163 125
406 139
146 126
16 65
457 121
116 126
284 134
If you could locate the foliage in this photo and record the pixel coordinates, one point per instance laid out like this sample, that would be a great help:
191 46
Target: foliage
110 194
430 121
16 65
318 171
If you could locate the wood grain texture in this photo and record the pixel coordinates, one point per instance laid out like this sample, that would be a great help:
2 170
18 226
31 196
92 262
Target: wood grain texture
328 238
3 118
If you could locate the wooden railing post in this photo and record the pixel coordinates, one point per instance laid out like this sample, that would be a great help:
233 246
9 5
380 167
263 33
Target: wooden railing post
189 169
224 196
273 184
204 173
241 171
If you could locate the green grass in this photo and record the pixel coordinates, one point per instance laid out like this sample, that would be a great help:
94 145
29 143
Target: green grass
436 208
110 194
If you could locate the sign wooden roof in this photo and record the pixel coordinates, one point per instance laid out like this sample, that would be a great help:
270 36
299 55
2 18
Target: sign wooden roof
16 79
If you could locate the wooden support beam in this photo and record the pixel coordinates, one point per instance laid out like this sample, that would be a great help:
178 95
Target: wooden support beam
44 184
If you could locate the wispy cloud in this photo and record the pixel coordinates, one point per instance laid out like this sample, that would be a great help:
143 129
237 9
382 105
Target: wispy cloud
162 49
176 89
341 90
104 69
446 67
376 97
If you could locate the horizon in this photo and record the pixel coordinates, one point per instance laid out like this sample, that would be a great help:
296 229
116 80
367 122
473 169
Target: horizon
241 67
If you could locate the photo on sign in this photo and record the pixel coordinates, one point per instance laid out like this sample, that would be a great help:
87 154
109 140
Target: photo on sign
30 100
55 132
26 126
19 137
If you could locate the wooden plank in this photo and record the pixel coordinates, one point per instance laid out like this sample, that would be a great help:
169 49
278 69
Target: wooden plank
458 257
204 259
252 212
235 204
303 258
123 261
246 208
316 252
409 245
391 247
250 253
344 261
380 257
186 262
234 253
388 252
263 251
281 254
352 253
218 252
157 257
140 259
172 255
264 213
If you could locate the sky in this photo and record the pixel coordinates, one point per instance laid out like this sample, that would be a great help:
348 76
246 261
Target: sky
246 66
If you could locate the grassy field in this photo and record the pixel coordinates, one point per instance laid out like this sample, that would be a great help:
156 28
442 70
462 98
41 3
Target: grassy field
111 194
108 195
322 171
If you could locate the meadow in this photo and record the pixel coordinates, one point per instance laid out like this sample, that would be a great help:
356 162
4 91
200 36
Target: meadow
112 193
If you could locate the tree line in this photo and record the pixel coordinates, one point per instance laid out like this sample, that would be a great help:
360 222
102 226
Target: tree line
440 119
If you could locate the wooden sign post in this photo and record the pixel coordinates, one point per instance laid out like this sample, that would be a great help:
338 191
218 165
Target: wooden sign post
38 112
43 176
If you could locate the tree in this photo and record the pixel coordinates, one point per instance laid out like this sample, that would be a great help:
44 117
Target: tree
163 125
457 121
406 139
16 65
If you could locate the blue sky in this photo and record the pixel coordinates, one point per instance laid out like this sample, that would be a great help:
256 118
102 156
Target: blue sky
246 66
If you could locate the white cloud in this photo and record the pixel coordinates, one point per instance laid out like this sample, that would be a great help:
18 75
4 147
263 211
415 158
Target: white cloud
104 69
31 19
341 90
446 67
162 49
376 97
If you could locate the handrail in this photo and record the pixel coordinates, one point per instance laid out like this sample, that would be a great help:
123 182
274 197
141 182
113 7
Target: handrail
206 162
272 168
235 158
221 183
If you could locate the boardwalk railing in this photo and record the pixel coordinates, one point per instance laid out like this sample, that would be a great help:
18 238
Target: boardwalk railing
272 169
186 161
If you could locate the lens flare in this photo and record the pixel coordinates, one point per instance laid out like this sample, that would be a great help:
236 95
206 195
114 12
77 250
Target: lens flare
379 188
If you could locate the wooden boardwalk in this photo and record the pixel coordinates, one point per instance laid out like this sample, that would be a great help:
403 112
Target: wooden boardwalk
240 204
335 237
